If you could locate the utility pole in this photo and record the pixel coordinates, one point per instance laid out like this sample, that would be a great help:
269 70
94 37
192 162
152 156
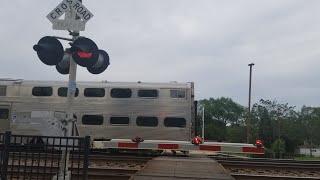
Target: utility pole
279 136
249 106
203 122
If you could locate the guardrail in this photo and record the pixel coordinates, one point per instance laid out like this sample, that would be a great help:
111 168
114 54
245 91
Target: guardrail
39 157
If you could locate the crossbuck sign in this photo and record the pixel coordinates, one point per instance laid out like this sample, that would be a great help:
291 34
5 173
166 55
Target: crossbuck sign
70 8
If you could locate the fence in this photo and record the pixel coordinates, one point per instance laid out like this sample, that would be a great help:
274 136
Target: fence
43 157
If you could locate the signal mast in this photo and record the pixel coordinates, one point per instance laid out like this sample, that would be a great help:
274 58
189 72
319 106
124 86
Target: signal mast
82 51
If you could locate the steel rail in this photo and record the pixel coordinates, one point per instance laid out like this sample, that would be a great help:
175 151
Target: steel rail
266 160
267 177
270 168
266 164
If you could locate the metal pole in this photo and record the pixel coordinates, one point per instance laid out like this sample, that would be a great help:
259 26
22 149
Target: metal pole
86 157
279 136
5 155
203 123
249 106
71 92
63 171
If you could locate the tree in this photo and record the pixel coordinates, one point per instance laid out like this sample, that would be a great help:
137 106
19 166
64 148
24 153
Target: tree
215 130
236 134
278 147
280 126
268 117
222 109
310 120
220 113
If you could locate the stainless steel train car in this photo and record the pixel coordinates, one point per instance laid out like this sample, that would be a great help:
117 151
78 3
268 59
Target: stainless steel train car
104 110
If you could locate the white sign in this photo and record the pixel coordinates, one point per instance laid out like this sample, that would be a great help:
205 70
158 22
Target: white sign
68 25
58 12
80 9
70 8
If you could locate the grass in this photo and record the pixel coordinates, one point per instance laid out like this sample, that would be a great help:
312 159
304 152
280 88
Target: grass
307 158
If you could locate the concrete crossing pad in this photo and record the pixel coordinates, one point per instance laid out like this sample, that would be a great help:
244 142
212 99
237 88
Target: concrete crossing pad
189 168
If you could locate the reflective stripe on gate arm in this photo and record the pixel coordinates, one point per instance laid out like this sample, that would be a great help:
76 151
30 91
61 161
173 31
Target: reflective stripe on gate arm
209 148
168 146
253 150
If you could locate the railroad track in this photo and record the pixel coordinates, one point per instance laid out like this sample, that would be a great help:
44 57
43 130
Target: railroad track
261 168
101 166
93 173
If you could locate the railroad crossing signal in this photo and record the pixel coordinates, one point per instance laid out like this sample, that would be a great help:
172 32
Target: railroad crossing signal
49 50
83 51
102 63
64 65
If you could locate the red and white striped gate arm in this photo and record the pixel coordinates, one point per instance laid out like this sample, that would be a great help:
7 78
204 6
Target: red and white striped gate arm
179 146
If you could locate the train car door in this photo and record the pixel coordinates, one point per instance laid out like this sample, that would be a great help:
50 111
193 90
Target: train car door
4 118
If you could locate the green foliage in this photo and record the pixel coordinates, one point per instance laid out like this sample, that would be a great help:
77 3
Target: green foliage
278 147
236 134
310 117
218 113
268 118
281 127
222 109
215 130
292 133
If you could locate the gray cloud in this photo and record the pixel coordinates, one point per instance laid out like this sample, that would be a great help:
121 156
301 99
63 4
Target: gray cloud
208 42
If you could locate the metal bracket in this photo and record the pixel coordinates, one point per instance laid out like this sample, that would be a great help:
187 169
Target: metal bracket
62 38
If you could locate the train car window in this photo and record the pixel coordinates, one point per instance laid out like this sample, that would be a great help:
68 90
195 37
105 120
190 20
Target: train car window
174 122
147 121
177 93
63 92
4 113
94 92
149 93
42 91
121 93
119 120
3 90
92 119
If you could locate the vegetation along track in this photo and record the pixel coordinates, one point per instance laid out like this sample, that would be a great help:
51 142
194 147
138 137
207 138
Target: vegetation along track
261 168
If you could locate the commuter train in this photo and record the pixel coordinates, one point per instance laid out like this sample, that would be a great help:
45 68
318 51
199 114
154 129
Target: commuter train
103 110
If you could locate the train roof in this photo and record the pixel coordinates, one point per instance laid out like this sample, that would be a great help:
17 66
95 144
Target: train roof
138 84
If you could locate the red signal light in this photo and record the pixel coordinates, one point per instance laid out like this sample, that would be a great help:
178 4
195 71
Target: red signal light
83 54
197 140
259 143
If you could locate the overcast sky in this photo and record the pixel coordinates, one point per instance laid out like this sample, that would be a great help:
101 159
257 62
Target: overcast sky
207 42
